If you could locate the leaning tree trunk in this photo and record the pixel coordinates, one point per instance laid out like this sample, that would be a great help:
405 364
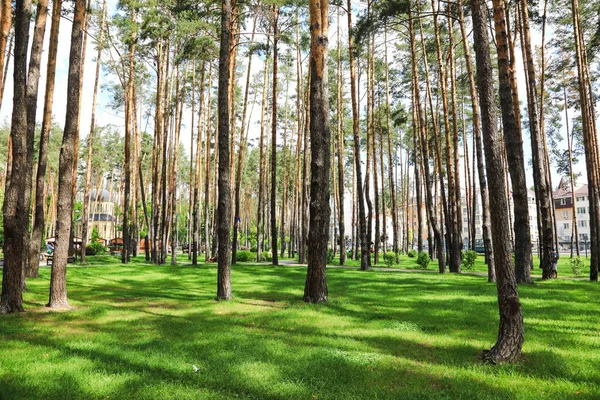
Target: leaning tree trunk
510 331
16 206
224 200
514 150
64 212
315 289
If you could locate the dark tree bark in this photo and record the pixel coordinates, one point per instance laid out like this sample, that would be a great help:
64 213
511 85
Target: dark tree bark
514 150
510 332
16 206
64 212
538 139
478 150
315 289
274 142
224 200
32 263
365 258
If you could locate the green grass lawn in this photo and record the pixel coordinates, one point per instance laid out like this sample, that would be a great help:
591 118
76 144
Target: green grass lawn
406 262
136 331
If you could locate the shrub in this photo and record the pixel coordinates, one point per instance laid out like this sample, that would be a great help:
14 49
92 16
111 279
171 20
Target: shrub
412 253
94 248
349 254
423 260
576 265
468 259
389 258
244 255
329 256
267 256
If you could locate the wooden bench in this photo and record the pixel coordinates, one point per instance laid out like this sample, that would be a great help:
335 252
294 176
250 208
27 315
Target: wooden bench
50 259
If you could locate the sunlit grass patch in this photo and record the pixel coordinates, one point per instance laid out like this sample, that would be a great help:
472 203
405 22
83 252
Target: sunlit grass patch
156 332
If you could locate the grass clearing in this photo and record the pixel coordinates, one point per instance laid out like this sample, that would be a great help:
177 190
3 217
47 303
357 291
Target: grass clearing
137 330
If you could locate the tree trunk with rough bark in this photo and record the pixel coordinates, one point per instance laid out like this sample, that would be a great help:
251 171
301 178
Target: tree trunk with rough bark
224 200
510 332
64 213
514 150
15 208
315 289
365 262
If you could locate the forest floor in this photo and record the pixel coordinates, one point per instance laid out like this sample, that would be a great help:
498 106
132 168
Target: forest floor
155 332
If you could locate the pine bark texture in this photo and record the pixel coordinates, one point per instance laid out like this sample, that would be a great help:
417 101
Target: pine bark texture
224 196
15 208
64 212
315 289
514 150
510 332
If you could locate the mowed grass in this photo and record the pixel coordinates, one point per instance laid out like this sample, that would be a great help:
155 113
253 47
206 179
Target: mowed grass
406 262
136 332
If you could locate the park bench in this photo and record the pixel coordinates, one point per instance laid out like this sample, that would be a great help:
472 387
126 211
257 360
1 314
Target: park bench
50 259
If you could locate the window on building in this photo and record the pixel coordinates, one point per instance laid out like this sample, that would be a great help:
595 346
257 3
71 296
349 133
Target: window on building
580 210
566 225
565 214
582 224
563 201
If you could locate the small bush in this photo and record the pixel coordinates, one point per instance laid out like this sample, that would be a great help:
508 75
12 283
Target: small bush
349 254
576 265
412 253
94 248
468 259
423 260
267 256
244 255
390 259
329 256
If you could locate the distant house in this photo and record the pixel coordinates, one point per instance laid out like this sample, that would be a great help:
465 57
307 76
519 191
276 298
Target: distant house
563 206
101 216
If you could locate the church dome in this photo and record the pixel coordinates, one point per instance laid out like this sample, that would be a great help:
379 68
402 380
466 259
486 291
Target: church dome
100 195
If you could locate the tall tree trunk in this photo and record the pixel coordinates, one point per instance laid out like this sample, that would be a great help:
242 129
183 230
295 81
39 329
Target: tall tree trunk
365 262
242 150
514 150
315 289
260 231
90 141
420 126
510 332
16 206
32 264
478 150
194 248
590 141
224 206
388 135
574 228
453 204
64 213
543 192
129 117
274 141
207 249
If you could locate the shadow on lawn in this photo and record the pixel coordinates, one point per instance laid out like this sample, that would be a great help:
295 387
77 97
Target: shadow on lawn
226 361
284 339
